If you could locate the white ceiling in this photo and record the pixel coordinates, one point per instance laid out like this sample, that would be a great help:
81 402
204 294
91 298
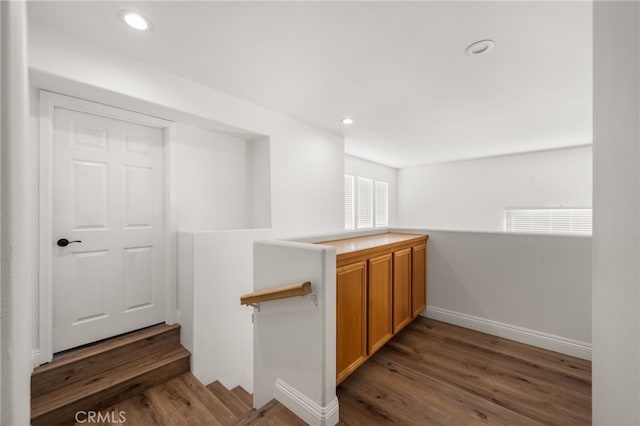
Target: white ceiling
397 68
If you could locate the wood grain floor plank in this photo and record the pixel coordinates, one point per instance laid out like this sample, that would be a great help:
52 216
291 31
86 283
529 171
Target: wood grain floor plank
493 378
561 363
433 400
435 373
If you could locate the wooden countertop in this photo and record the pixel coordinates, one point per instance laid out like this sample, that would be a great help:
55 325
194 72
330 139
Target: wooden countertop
351 248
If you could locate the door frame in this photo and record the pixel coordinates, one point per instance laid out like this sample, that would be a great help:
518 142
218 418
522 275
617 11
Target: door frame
48 101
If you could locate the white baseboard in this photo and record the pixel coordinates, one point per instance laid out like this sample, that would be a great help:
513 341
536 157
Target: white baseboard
35 358
303 407
512 332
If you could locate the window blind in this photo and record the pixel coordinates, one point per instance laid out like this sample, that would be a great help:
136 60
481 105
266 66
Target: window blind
551 221
365 203
382 203
349 206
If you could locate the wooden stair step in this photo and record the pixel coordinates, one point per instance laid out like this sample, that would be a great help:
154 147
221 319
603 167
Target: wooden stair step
237 406
243 395
79 364
186 394
272 413
105 389
181 401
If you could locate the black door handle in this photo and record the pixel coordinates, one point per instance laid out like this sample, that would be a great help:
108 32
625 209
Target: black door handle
63 242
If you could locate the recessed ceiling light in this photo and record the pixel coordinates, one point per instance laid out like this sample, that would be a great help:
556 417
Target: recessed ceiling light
135 20
479 47
347 120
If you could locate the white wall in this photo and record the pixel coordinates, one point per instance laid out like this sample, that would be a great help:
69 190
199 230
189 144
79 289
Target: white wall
17 209
472 195
295 339
259 182
616 230
301 180
359 167
209 178
216 268
530 288
307 163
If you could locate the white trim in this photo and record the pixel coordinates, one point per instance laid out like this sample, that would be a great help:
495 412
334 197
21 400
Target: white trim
513 332
171 227
305 408
48 101
45 228
35 358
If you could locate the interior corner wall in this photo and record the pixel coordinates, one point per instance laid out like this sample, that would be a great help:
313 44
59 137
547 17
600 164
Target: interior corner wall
259 182
472 194
360 167
208 170
616 227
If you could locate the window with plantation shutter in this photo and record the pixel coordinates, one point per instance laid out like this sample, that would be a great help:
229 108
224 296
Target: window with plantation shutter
349 205
382 203
550 221
365 203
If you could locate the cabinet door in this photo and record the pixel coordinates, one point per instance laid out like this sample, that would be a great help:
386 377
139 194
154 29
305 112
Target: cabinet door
401 289
419 280
351 311
379 324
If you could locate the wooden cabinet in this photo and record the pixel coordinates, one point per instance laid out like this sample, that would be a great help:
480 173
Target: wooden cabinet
381 286
418 276
402 286
379 328
351 309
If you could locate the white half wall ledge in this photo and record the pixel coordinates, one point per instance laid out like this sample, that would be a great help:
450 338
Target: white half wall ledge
512 332
295 340
338 235
537 282
305 408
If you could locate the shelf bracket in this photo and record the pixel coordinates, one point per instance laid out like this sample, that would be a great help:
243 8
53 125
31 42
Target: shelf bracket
313 297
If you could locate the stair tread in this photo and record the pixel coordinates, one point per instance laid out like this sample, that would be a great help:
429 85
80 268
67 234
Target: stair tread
93 385
217 408
96 359
243 395
185 401
237 406
272 413
89 351
181 401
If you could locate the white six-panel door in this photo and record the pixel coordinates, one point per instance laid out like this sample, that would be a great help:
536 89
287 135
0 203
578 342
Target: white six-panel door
108 194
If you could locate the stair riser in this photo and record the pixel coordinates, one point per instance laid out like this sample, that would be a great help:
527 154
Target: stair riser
50 380
65 415
230 400
243 395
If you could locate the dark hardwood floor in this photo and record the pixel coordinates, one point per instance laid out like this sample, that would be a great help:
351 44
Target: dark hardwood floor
433 373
